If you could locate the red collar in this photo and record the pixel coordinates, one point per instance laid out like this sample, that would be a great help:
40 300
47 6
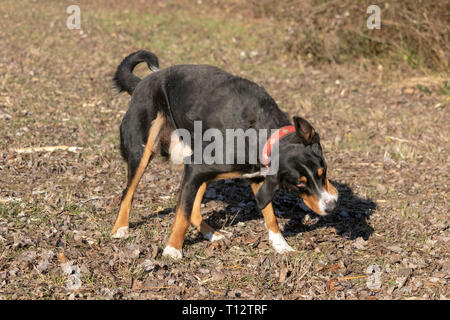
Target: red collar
274 138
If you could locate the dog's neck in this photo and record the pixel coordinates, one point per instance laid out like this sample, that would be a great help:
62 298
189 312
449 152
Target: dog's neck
275 138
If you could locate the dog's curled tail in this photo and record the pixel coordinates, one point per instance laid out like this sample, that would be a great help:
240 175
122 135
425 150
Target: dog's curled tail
124 79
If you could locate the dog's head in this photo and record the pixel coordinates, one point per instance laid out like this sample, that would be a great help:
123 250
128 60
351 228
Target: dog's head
302 169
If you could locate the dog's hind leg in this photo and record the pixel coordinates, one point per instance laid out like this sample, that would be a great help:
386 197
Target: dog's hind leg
197 220
276 238
137 162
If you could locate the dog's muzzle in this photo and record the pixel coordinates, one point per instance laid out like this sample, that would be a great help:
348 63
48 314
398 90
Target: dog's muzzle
329 205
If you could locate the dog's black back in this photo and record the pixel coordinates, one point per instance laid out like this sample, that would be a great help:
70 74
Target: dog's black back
188 93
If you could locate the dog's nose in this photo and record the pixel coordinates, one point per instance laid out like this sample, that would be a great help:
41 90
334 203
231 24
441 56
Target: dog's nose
330 205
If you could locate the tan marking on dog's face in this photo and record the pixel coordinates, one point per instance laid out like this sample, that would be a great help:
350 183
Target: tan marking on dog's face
312 202
320 172
330 188
302 182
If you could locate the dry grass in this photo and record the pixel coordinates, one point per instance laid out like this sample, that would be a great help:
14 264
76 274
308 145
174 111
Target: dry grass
385 136
415 32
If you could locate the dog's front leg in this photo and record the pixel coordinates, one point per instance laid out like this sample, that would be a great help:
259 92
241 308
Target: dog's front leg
276 238
191 185
197 220
174 246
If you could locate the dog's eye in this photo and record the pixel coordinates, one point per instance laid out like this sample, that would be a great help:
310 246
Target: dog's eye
316 149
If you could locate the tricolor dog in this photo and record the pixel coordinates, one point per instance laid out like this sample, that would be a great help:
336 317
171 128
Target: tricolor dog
175 98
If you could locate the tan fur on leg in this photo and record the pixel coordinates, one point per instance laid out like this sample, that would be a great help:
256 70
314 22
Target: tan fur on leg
197 220
275 236
121 225
176 239
268 213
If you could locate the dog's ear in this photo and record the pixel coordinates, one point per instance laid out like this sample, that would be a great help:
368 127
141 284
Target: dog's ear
305 131
267 191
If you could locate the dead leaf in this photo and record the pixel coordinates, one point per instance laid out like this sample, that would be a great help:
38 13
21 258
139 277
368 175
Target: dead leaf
395 248
154 250
283 273
62 258
331 285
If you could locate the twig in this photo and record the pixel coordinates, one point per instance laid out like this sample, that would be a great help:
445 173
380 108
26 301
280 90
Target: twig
302 275
236 267
216 292
399 139
10 199
47 149
91 199
352 278
235 215
204 281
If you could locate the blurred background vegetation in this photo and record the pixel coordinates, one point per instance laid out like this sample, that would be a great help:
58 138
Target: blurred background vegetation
415 32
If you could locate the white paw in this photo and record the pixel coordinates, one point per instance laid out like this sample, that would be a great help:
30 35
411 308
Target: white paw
279 243
172 253
121 233
214 236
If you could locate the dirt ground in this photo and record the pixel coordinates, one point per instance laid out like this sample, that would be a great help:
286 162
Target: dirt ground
385 135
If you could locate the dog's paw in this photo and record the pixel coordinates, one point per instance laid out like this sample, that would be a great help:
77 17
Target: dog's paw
279 243
121 233
173 253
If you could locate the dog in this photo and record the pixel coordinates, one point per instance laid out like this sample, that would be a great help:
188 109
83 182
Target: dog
174 98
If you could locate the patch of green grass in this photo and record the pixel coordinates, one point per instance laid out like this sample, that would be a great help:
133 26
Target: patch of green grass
72 208
410 57
57 279
269 282
391 283
424 89
380 261
150 232
445 89
186 38
38 215
8 210
88 126
89 279
357 140
246 278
